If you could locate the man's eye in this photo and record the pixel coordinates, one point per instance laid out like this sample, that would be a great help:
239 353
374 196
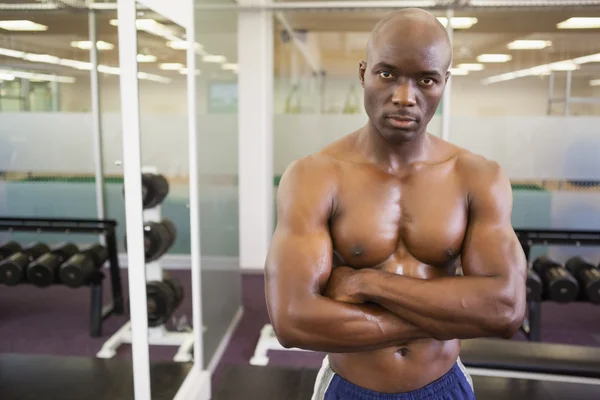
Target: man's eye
427 81
385 74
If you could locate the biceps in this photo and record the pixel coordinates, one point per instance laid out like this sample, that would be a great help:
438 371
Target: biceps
297 265
491 250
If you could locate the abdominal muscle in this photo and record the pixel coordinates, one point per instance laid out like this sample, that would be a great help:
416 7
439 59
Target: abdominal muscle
406 366
397 369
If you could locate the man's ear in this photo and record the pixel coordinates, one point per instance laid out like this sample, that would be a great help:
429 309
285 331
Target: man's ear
362 68
448 73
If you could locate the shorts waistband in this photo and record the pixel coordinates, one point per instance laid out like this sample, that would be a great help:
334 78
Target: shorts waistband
431 391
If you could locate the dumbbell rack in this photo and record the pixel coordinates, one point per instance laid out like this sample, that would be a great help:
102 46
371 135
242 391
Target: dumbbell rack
106 228
159 335
530 237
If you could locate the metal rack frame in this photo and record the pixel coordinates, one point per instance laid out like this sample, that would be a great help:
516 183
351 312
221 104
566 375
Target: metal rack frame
106 228
530 237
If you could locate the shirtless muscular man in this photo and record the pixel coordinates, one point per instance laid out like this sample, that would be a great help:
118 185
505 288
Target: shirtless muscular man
370 231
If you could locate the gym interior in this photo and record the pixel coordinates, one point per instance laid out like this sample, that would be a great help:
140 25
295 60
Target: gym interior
138 184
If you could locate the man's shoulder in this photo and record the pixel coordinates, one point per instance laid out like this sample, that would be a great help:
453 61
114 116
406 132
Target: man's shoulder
316 169
480 174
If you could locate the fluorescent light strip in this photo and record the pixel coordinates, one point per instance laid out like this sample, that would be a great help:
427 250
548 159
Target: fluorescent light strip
565 65
146 58
529 44
210 58
86 45
170 66
458 72
230 67
7 77
579 23
494 58
459 22
81 65
471 67
22 26
152 27
595 82
40 77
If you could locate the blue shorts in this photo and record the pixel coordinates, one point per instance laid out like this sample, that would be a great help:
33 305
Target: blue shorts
456 384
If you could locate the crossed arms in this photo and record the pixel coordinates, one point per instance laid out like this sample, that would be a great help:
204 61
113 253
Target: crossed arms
315 307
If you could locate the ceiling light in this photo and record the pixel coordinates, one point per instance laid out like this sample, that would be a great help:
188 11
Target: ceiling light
184 71
75 64
595 82
183 45
587 59
105 69
230 67
170 66
459 22
86 45
458 71
12 53
151 26
39 77
471 67
563 66
22 25
152 77
43 58
529 44
7 77
579 23
494 58
209 58
146 58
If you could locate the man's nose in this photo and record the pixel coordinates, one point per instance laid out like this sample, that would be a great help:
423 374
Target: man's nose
404 95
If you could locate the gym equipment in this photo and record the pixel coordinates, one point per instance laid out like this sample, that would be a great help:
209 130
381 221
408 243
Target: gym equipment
155 188
559 284
79 269
158 238
588 277
534 286
43 271
106 228
13 269
8 249
163 299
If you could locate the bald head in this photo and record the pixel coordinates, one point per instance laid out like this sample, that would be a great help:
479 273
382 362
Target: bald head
410 26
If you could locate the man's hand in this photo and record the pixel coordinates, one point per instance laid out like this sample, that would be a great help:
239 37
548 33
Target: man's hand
343 286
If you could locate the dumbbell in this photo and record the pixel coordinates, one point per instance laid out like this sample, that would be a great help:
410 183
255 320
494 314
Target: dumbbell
163 298
588 277
155 188
534 286
158 238
13 269
559 284
8 249
80 268
43 271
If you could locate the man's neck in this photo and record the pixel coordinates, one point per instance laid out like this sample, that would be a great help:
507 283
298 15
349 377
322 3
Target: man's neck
394 156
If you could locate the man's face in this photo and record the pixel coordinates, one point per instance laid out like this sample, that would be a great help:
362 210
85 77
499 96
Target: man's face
403 85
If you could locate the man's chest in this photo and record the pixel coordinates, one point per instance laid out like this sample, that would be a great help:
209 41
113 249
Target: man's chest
422 217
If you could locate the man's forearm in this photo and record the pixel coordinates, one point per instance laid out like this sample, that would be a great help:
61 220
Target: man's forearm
449 308
322 324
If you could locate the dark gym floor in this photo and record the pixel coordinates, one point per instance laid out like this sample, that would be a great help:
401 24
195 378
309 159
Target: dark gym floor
54 321
33 377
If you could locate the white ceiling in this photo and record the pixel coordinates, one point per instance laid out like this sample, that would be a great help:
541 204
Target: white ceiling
336 37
